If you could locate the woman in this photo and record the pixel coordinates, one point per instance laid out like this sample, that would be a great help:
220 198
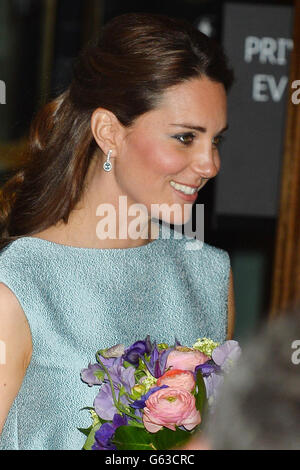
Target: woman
144 113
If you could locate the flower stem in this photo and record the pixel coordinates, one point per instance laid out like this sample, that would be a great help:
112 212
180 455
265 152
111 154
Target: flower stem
113 391
110 381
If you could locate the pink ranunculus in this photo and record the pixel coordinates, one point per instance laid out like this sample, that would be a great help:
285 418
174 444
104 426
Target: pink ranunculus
169 407
179 379
186 358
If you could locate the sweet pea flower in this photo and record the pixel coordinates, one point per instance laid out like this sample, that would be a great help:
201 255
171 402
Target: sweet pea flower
88 376
122 376
122 379
186 358
104 403
179 379
170 407
226 355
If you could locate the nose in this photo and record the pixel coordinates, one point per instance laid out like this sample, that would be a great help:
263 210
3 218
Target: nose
207 163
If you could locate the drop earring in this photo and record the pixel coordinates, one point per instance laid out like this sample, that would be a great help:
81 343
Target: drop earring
107 164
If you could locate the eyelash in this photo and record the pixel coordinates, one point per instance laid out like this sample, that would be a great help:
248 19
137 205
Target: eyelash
220 138
186 134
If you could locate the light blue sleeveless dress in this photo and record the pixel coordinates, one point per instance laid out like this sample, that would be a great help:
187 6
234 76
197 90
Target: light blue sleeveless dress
79 300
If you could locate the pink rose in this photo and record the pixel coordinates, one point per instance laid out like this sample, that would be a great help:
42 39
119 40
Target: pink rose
186 358
169 407
179 379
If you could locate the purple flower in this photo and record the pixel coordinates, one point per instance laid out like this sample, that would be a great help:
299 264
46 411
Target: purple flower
105 433
104 403
141 403
107 362
122 376
226 354
207 368
137 350
87 375
212 377
212 384
158 361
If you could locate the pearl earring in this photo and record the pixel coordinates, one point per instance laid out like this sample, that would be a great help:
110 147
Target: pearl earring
107 166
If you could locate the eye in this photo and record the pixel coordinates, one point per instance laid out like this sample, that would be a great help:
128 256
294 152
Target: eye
186 139
218 139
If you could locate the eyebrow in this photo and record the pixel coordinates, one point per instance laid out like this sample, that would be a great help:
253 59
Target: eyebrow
199 128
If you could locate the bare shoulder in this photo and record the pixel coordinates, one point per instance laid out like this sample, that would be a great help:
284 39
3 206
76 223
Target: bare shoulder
13 323
15 349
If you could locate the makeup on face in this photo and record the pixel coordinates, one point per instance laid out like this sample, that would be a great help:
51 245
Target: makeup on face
173 150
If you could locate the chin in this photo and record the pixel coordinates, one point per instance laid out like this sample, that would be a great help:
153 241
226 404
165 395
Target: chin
181 220
177 217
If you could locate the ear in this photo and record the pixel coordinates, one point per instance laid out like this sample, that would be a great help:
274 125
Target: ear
106 130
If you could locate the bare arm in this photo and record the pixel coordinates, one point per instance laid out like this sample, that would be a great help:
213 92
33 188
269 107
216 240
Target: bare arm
231 308
15 349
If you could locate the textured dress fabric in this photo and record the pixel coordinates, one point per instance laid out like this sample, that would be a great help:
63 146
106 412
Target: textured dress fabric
79 300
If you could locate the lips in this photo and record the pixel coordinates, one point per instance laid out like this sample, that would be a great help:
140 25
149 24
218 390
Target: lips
187 184
187 189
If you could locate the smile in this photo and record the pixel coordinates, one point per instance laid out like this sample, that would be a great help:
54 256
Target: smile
183 188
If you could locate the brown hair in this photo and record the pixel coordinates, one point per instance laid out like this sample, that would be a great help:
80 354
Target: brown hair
126 70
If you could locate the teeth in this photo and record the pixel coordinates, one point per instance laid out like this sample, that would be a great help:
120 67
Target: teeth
184 189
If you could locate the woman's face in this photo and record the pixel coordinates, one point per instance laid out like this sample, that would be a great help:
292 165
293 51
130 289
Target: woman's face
176 143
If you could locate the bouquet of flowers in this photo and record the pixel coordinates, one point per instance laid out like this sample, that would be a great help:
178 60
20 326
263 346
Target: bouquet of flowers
154 396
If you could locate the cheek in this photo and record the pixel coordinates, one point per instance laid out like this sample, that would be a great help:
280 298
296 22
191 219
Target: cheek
159 158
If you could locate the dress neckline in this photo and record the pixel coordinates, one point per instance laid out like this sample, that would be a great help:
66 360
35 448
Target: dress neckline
60 246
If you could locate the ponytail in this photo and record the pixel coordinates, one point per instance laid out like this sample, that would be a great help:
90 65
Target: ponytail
50 182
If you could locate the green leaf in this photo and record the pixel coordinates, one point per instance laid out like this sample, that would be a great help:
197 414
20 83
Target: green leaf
133 438
126 364
200 396
87 408
139 374
85 431
136 424
99 374
162 346
91 437
167 439
142 365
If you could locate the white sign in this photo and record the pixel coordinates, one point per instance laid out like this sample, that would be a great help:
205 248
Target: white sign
265 50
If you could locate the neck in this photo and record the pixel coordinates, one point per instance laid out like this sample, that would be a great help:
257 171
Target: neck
101 222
